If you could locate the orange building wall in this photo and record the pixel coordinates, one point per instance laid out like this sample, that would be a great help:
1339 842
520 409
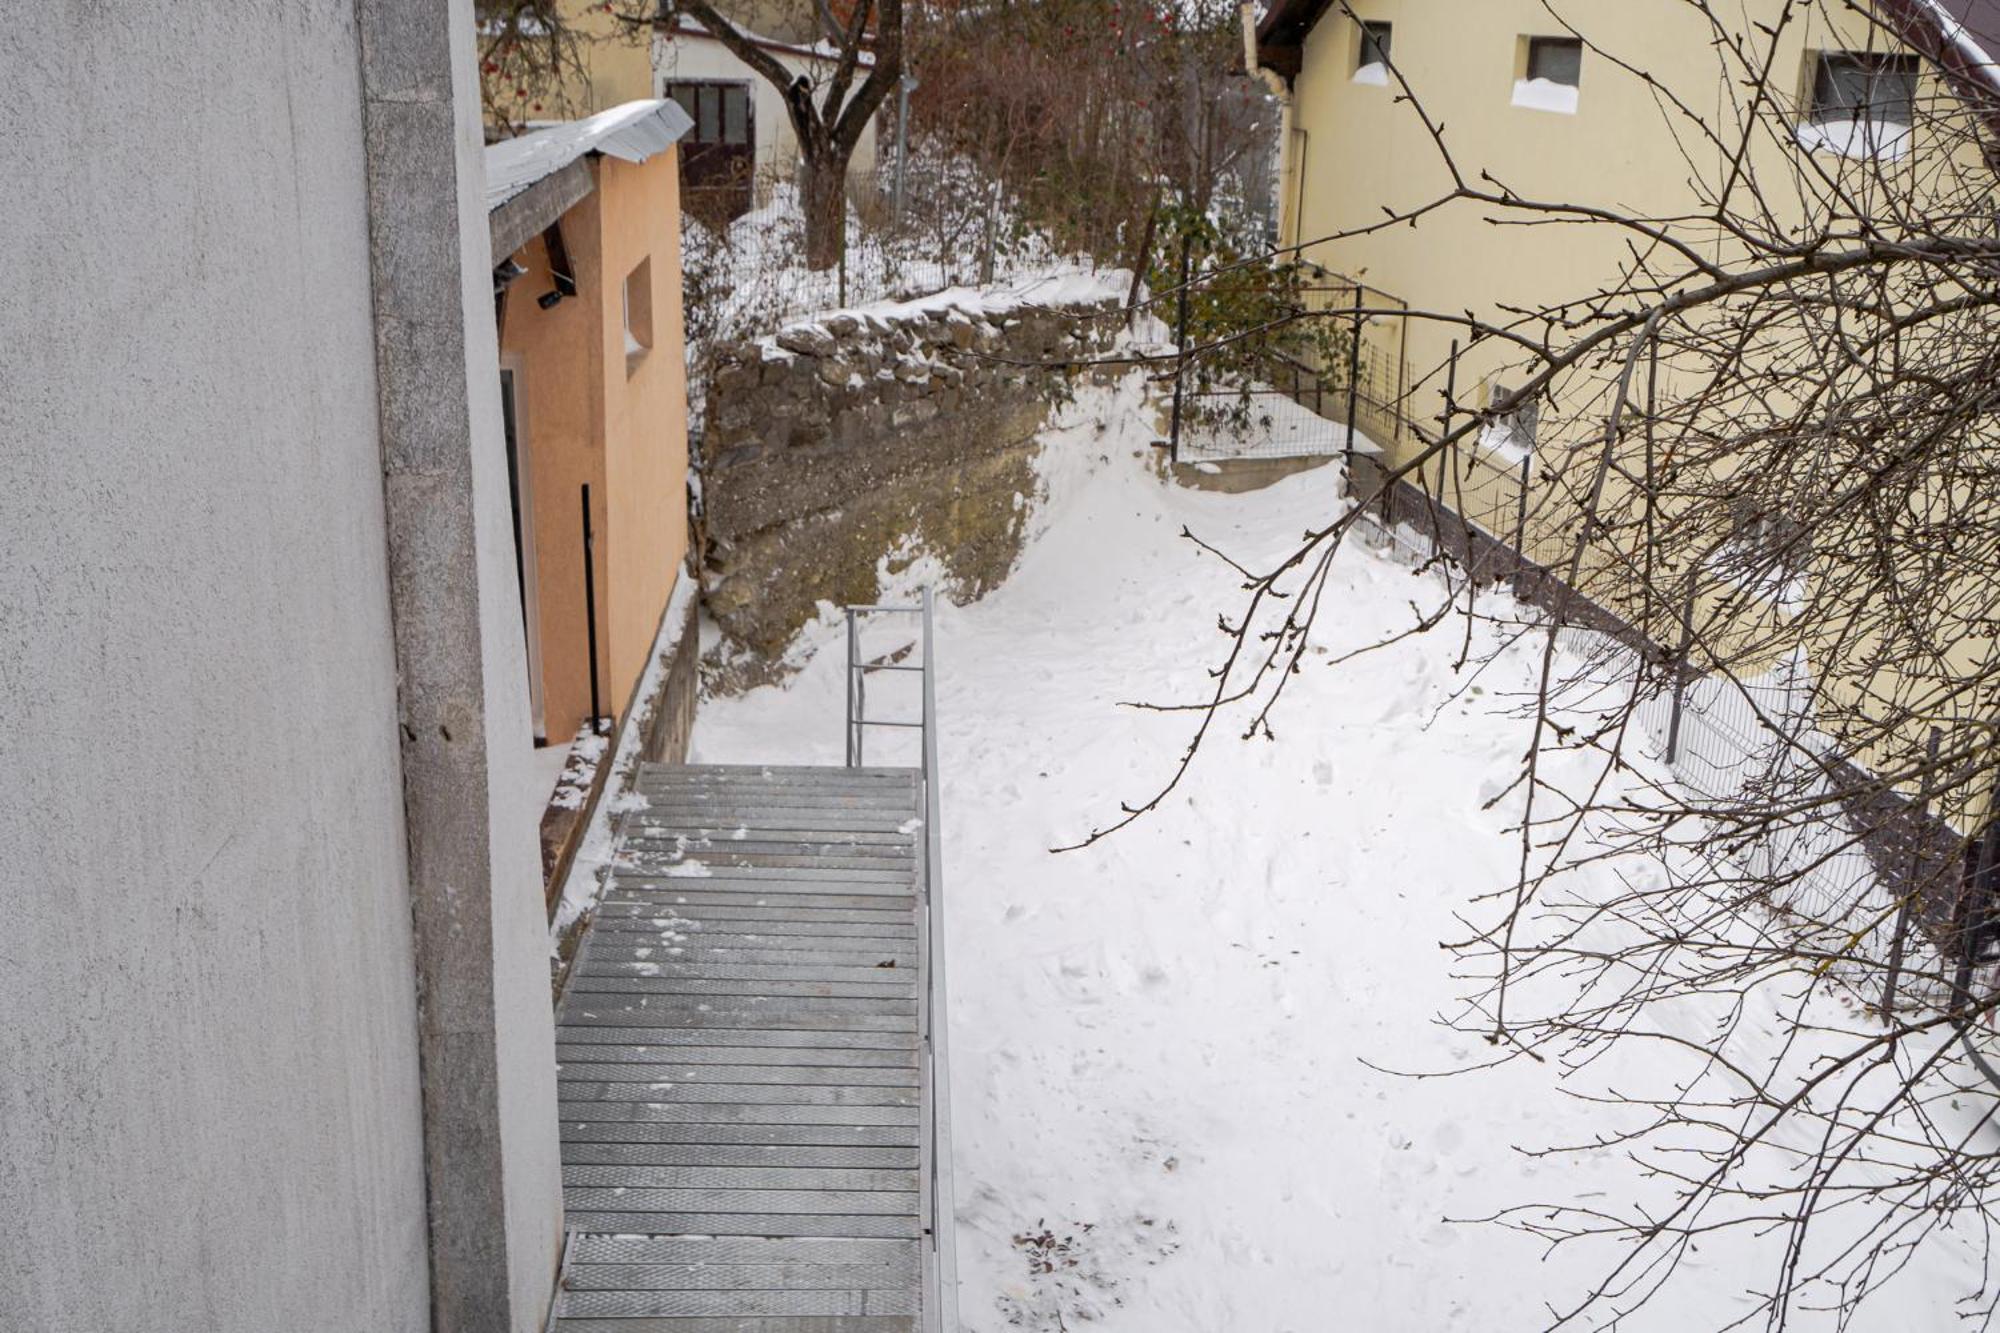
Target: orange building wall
645 426
582 419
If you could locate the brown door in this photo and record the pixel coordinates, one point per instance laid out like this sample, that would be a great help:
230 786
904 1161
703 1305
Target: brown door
718 156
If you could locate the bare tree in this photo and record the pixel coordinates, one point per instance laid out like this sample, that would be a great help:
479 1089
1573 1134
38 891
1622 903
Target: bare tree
830 109
1092 112
531 57
1768 484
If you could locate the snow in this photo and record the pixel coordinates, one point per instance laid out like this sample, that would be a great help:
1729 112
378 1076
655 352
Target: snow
1374 73
1180 1056
1545 95
1063 289
594 851
1969 47
1855 138
634 132
546 765
749 278
1505 444
1276 427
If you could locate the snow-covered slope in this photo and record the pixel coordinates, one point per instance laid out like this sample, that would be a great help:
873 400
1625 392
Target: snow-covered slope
1171 1097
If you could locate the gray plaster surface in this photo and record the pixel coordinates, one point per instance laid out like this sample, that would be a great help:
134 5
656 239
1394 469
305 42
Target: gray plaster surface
485 1026
209 1080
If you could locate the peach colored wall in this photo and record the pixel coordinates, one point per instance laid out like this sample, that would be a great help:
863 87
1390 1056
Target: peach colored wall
645 419
583 419
560 424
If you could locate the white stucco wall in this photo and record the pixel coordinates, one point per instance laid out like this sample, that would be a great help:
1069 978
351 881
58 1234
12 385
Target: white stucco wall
689 57
209 1113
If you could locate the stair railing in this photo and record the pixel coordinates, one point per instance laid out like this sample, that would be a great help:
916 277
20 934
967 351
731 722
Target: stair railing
940 1255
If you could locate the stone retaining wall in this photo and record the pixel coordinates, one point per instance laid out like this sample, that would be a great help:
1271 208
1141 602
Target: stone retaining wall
867 439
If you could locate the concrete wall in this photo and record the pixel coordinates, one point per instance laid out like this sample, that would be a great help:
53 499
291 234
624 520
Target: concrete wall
471 797
209 1108
277 1049
587 414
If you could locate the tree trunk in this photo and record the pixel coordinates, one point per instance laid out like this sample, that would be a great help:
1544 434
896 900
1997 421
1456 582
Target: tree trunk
823 197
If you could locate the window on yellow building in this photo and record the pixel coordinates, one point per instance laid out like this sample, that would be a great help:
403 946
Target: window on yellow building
638 314
1510 436
1863 103
1371 64
1550 75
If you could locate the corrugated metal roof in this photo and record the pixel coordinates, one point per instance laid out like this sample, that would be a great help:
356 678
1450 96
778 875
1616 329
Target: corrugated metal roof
632 132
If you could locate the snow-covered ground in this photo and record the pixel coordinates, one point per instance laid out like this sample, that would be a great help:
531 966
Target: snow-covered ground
1170 1087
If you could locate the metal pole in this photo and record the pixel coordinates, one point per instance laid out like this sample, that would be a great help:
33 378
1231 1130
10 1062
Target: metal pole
904 87
1180 352
937 1026
590 606
1680 672
860 708
1521 523
1916 877
848 716
1353 372
1451 456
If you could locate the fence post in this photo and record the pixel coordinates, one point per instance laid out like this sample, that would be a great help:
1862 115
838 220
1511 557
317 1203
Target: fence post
1451 454
590 608
1180 351
904 87
1646 579
1521 522
847 721
1924 790
1353 373
992 235
1680 673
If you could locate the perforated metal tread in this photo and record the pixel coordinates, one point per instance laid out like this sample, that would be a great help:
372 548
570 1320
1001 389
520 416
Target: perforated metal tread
739 1078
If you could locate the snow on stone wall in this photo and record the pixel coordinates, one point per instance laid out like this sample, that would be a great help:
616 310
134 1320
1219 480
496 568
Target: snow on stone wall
841 445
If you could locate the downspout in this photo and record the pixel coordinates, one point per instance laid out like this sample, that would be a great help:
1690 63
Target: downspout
1290 164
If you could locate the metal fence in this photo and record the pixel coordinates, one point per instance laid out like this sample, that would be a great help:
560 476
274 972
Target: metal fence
940 1253
1303 403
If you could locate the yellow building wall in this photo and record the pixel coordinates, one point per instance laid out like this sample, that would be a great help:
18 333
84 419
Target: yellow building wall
1352 149
618 62
584 416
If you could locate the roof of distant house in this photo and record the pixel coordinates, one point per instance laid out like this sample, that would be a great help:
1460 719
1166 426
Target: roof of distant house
684 26
1961 36
633 132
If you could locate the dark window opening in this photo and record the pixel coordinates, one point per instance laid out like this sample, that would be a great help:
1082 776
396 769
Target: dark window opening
1556 59
718 157
720 111
1374 45
1864 86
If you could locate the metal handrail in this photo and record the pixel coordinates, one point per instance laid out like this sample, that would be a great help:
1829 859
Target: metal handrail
940 1260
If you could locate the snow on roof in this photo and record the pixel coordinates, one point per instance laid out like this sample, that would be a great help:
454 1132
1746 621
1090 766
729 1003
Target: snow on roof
632 133
819 50
1970 30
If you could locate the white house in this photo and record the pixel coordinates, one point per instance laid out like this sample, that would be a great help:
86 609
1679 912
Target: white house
742 143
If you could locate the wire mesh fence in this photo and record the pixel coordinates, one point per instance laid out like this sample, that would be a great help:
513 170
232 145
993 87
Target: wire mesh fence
909 233
1335 394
